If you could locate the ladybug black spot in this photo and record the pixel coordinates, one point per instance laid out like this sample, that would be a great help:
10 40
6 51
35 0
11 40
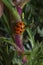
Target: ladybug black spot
20 23
20 31
17 29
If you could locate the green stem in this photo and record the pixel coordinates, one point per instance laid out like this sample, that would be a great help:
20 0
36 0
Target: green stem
10 42
13 44
31 39
6 22
12 9
8 26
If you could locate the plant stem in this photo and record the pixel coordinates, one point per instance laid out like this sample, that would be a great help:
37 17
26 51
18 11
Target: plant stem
10 42
31 39
12 9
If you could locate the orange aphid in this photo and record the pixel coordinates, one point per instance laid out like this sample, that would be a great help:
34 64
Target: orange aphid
19 28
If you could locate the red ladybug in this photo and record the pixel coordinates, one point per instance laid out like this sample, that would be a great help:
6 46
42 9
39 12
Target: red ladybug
19 28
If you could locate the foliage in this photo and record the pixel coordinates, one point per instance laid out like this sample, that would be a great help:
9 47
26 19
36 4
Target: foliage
32 15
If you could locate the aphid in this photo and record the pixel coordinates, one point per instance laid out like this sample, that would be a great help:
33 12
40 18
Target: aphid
19 28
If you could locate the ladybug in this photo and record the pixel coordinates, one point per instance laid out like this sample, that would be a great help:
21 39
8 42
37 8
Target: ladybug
19 28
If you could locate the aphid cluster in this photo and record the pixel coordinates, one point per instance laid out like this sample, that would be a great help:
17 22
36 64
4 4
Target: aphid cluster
19 28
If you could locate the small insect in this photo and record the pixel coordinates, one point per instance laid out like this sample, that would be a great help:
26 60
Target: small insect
19 28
